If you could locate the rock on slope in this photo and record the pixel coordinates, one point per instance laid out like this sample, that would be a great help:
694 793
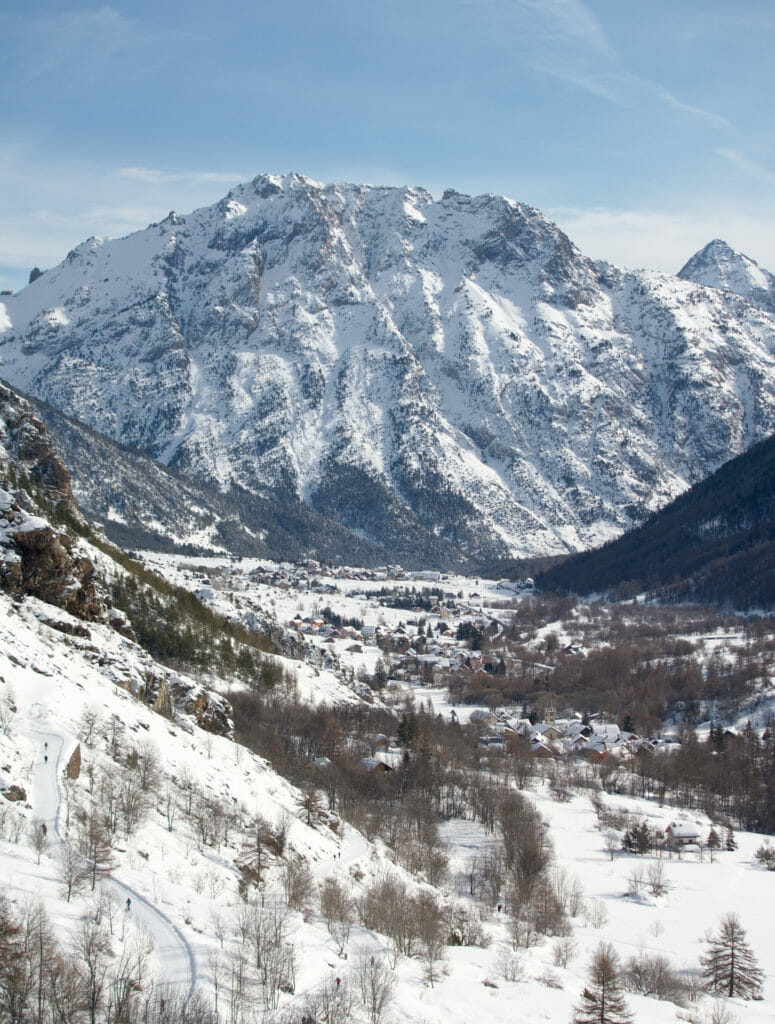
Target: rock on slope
440 377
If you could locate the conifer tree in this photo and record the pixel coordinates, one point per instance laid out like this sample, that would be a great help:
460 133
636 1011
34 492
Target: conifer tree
729 967
602 1001
713 842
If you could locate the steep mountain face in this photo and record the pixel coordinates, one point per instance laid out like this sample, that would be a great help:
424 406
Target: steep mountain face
142 504
718 265
443 379
715 544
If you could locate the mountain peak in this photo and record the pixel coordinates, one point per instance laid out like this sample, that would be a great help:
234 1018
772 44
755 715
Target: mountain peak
445 379
718 265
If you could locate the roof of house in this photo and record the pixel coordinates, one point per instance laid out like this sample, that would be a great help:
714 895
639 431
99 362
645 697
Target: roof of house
683 830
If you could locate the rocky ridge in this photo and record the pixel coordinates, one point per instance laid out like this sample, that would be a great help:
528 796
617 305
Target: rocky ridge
41 561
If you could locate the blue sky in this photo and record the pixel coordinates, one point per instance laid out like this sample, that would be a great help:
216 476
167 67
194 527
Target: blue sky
643 127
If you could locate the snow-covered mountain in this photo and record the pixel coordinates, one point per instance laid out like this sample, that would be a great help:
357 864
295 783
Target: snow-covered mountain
438 376
718 265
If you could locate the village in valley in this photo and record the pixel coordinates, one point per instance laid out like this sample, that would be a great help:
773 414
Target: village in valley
444 642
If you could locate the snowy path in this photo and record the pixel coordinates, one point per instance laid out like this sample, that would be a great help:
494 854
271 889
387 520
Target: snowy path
175 958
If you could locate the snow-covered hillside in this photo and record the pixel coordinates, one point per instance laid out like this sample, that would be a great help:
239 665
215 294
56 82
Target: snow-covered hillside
438 376
184 891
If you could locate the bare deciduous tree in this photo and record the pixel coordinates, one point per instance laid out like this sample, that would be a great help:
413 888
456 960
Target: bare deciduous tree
656 877
375 984
509 965
72 871
91 960
89 725
94 844
332 1002
38 837
298 883
338 908
563 950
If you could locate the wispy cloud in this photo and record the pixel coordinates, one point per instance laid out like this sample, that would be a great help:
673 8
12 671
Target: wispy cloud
87 44
153 176
749 167
698 112
554 22
661 240
568 21
569 43
43 216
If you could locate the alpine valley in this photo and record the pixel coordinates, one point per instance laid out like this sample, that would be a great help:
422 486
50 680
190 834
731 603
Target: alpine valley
237 790
396 378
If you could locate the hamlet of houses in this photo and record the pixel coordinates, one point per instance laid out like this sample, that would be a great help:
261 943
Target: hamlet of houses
416 626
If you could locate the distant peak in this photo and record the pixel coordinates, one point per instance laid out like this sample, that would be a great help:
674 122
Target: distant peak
718 265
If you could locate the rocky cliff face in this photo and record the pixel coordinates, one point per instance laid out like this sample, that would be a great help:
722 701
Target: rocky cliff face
35 557
441 378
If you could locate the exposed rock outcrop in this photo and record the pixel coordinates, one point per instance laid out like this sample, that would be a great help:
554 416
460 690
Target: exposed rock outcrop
170 693
36 557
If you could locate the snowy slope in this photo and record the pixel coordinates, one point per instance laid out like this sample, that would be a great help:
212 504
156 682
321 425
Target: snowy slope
186 895
436 375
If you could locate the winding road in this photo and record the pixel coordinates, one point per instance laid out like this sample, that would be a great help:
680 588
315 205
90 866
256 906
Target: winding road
176 963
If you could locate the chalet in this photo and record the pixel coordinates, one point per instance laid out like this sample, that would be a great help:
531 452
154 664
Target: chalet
371 764
540 748
682 833
547 731
595 749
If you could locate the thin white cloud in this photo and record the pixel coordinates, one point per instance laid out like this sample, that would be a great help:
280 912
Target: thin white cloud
622 88
749 167
704 115
664 241
569 21
606 85
43 216
87 45
568 42
555 22
153 176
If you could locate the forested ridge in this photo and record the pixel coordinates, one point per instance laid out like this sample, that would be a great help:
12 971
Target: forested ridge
714 544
